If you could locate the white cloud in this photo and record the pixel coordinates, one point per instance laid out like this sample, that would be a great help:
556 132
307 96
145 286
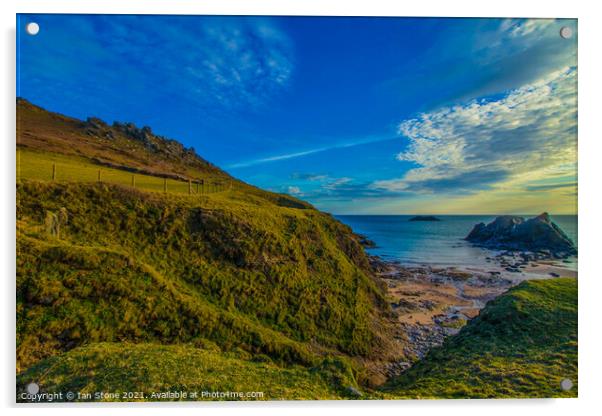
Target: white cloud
331 184
295 190
326 182
311 177
524 27
276 158
528 134
294 155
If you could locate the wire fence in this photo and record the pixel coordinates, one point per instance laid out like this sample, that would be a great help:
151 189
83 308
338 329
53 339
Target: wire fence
58 172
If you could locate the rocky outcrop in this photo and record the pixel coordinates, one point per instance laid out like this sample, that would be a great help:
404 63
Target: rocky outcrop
366 242
514 233
424 218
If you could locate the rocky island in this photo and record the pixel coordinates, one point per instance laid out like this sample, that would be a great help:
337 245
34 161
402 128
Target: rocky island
424 218
539 235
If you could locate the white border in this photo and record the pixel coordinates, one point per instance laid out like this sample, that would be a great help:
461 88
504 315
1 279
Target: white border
589 193
458 8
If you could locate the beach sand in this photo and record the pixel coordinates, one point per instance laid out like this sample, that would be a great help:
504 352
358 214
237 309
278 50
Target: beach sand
432 303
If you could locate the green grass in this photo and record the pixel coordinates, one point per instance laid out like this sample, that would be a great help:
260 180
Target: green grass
70 295
153 368
38 165
523 344
242 270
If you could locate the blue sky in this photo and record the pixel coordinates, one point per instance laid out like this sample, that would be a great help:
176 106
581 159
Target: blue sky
356 115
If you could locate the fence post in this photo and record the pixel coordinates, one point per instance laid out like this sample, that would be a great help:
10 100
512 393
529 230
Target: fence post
99 175
189 186
202 186
54 171
197 186
164 185
133 181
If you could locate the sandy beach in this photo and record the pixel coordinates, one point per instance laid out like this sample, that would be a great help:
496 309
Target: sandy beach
432 303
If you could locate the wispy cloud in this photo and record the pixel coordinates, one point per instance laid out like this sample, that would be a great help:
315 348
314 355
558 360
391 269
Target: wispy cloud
336 183
326 182
552 186
277 158
312 177
244 61
528 134
302 153
294 190
320 187
525 27
213 61
487 57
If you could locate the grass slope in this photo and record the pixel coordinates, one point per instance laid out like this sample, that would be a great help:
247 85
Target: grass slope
117 145
249 270
39 165
234 268
523 344
155 369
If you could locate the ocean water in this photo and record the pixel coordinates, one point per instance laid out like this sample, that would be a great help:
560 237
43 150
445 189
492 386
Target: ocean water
438 243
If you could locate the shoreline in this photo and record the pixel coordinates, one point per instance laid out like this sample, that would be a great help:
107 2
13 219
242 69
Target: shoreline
433 302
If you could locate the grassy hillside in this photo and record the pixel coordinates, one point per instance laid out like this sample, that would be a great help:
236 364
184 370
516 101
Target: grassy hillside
119 145
41 165
523 344
130 265
244 267
154 368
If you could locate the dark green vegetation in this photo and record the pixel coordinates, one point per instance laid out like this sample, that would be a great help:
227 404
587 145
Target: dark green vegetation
123 288
523 344
137 266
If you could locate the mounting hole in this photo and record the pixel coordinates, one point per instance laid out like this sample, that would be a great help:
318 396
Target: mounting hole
566 32
33 388
566 384
32 28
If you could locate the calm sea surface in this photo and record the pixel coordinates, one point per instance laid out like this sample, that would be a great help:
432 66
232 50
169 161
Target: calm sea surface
433 243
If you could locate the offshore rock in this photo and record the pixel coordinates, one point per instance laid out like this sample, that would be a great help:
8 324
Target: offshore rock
539 235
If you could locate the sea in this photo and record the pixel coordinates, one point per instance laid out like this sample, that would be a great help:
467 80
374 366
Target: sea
435 243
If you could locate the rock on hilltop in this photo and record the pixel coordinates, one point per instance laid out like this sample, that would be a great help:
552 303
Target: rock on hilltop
538 234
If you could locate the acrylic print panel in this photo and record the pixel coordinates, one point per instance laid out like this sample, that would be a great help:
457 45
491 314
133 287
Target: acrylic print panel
295 208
